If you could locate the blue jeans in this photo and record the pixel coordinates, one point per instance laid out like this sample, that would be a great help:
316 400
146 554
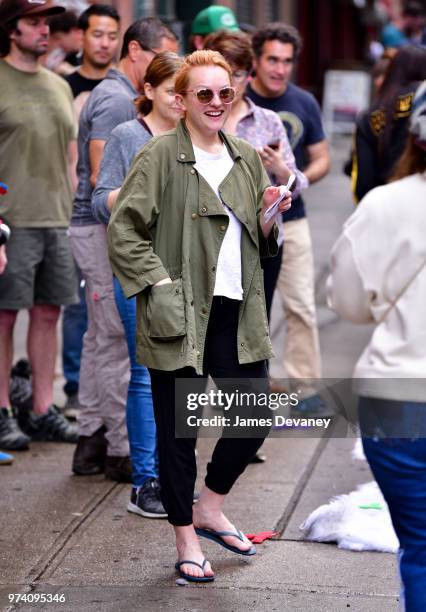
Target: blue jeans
139 410
399 466
74 325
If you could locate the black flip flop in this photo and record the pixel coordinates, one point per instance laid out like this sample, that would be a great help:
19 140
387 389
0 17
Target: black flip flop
193 578
216 536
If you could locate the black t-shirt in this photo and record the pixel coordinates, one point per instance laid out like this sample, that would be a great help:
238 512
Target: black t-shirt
301 117
74 59
79 83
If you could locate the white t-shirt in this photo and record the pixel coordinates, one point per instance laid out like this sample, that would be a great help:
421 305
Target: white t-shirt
214 167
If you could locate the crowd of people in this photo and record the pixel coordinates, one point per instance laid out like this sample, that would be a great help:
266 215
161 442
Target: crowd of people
144 223
407 26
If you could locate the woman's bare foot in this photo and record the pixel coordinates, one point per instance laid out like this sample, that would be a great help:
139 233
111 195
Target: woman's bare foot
207 514
188 547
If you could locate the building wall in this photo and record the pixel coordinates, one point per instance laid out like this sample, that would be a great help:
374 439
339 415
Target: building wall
333 37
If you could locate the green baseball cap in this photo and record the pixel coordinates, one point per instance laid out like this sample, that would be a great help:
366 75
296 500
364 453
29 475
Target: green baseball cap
214 18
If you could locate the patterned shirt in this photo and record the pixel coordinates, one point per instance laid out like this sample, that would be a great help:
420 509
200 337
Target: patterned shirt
262 126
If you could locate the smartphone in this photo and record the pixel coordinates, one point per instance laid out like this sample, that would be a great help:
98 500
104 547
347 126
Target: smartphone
274 145
284 189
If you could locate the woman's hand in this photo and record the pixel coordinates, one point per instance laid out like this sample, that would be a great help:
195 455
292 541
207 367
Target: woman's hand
112 197
269 196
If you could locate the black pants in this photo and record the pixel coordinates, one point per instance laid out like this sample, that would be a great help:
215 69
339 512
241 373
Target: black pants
271 269
230 457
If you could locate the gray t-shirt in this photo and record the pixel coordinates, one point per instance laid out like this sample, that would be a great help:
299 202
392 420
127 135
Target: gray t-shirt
109 104
124 143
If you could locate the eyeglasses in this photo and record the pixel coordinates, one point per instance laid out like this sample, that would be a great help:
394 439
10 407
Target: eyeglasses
239 75
205 95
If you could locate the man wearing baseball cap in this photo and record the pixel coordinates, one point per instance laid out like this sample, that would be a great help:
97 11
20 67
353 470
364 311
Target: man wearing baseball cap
211 19
12 10
38 135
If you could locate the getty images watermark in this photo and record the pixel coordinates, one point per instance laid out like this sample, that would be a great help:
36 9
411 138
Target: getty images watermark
259 410
246 408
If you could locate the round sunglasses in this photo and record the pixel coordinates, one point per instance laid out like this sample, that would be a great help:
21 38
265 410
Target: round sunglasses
205 95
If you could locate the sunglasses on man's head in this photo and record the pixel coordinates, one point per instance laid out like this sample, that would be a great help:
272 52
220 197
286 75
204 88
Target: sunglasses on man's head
148 49
205 95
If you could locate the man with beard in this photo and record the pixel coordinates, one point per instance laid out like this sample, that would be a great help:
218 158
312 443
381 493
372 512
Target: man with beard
37 144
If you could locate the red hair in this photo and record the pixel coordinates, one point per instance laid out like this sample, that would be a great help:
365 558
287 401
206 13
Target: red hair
199 58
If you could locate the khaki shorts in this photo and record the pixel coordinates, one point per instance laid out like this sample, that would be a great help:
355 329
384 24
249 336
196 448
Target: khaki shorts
40 269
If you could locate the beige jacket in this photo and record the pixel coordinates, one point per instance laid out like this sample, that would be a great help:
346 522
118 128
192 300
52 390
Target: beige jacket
378 275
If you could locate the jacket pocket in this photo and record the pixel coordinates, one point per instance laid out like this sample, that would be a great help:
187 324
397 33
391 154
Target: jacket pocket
166 311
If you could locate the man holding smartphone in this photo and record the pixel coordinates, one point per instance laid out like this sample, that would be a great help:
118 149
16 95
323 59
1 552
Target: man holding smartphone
276 48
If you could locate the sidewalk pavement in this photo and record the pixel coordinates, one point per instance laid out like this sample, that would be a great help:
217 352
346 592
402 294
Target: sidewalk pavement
71 536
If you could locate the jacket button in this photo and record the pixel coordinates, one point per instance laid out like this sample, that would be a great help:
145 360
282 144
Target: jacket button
258 292
177 291
192 302
204 311
214 269
182 155
222 228
192 171
242 343
194 216
204 209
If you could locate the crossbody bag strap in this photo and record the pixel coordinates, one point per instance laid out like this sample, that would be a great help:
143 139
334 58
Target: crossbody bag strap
403 290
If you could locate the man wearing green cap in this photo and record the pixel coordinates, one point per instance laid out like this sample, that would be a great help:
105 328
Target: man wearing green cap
211 19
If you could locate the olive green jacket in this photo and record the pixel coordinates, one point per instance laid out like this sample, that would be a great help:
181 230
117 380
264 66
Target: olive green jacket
169 222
